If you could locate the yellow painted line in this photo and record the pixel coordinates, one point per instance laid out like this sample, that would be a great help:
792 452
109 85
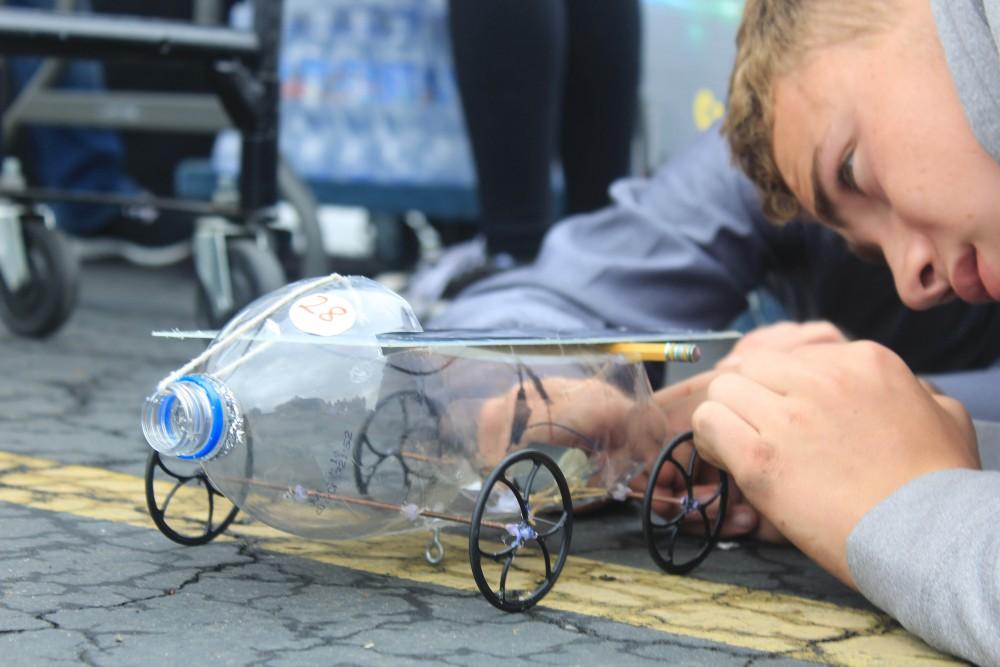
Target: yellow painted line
733 615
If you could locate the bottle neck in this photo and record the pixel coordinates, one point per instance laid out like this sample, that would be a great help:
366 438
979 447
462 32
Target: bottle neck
189 418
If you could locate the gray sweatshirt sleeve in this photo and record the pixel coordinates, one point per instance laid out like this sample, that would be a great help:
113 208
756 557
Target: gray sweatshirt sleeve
677 251
929 555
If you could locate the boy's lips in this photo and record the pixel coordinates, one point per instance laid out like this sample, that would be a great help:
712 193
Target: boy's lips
966 279
990 279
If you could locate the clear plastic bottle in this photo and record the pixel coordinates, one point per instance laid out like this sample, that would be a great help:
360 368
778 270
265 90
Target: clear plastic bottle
312 412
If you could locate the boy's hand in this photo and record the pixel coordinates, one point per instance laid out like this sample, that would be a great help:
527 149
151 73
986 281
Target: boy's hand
782 336
571 410
817 436
680 400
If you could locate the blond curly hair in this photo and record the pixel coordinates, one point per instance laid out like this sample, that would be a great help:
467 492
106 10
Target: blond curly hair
774 38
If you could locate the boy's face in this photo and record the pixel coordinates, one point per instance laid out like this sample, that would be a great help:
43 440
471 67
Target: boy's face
872 139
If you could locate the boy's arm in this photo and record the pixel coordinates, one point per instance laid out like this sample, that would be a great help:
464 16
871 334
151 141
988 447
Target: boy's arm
677 251
929 555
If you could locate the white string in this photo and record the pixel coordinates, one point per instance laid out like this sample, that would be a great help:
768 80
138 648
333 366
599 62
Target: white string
273 329
246 326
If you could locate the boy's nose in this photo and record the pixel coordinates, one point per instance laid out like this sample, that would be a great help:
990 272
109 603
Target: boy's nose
920 281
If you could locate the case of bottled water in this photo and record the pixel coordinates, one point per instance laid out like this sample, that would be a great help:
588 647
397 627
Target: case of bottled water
368 94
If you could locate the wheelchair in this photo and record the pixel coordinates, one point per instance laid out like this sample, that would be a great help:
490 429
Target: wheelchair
234 241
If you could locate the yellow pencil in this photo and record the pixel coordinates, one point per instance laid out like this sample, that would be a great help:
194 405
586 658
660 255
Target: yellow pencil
686 352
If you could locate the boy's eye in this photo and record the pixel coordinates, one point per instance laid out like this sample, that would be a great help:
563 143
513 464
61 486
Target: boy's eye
845 174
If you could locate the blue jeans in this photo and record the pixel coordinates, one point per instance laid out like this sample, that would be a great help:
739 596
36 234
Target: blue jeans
73 158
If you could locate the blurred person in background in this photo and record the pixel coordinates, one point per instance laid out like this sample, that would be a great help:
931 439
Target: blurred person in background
540 81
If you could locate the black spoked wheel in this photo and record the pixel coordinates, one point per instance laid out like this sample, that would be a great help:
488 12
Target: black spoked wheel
523 520
181 527
389 451
253 272
681 532
44 302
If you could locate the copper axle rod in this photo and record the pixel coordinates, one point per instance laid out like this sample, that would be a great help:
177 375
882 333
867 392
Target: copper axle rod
635 495
364 502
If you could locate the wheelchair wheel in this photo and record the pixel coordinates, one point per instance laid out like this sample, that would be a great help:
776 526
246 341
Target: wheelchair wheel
253 272
43 304
311 260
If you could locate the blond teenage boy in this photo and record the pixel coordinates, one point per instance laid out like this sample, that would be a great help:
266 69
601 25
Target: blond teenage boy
882 121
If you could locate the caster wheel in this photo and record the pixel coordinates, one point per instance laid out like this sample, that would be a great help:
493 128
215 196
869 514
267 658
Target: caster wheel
40 306
311 260
681 532
522 521
253 272
190 526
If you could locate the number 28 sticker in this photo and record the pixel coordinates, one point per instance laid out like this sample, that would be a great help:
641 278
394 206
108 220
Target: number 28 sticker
323 314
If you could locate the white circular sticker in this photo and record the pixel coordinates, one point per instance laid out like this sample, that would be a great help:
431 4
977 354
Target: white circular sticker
323 314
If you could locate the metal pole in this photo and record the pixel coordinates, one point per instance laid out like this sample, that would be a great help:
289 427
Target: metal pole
259 163
50 70
88 36
207 12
